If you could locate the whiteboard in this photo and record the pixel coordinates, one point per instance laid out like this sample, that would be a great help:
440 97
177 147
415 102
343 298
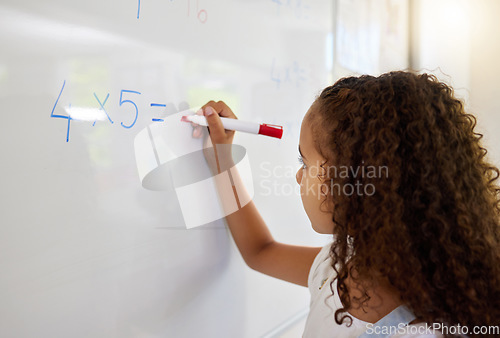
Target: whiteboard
85 250
372 36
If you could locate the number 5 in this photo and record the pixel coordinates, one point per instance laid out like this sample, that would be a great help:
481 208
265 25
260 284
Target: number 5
122 101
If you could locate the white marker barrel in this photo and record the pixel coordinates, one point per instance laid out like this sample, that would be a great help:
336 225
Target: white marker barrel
229 124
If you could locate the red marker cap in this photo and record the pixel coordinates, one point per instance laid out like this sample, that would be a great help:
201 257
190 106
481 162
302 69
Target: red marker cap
271 130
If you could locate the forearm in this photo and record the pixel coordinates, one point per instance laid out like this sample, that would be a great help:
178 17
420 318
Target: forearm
249 231
247 227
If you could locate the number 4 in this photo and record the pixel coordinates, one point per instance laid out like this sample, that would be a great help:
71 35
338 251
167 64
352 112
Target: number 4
61 116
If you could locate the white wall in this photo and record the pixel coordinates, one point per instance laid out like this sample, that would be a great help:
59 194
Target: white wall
458 41
485 71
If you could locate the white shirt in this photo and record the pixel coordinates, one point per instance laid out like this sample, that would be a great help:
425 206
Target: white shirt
321 319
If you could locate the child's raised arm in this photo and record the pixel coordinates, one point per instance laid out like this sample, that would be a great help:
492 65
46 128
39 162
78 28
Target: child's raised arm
251 234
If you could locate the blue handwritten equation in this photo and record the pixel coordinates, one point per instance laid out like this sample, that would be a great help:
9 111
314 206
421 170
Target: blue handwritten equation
287 73
298 7
127 98
201 14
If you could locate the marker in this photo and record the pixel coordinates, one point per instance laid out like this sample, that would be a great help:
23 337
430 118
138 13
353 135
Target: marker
234 124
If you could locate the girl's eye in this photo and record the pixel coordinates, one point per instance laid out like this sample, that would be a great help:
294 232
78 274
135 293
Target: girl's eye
301 161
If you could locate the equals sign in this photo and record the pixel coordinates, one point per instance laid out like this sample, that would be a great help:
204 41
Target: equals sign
158 105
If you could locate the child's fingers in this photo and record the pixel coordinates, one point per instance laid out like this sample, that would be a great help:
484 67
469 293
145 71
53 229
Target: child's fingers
217 132
197 129
221 108
197 132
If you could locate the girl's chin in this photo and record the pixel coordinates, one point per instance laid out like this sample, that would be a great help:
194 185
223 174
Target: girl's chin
321 230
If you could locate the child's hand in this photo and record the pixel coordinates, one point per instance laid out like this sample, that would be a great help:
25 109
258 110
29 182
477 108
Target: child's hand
217 146
212 112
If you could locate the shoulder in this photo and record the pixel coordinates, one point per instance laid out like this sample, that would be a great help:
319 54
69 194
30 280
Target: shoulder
322 256
321 264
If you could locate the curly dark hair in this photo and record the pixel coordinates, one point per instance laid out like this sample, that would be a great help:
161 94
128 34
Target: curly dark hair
431 226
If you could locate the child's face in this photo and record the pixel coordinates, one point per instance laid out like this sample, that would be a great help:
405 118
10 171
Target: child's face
310 183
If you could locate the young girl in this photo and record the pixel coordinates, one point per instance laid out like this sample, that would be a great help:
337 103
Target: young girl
393 169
